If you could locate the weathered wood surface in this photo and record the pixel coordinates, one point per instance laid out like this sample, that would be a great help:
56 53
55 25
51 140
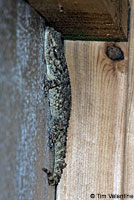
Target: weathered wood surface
100 136
23 140
129 147
88 19
95 147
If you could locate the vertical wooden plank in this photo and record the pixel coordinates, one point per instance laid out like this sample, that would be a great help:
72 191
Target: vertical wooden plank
95 147
23 143
129 150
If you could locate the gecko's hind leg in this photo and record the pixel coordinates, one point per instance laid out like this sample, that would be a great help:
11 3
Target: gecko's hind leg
52 180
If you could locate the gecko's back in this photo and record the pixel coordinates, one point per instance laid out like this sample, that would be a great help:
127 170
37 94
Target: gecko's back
58 91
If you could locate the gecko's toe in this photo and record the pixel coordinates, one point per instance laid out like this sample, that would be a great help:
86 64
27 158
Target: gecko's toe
47 172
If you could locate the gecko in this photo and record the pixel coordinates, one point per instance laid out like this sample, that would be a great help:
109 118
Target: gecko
57 89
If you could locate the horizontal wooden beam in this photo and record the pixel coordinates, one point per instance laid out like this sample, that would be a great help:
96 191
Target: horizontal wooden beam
86 19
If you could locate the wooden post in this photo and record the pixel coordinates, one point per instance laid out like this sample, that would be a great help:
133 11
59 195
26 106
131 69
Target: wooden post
129 147
23 137
95 152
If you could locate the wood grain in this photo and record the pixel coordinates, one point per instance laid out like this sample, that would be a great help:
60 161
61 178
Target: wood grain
86 20
95 147
129 147
100 137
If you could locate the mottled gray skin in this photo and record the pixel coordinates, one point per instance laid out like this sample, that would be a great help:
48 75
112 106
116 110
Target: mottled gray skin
58 90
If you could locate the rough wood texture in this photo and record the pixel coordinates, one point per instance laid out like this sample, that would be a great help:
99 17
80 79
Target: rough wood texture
129 147
23 140
88 19
96 136
95 150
